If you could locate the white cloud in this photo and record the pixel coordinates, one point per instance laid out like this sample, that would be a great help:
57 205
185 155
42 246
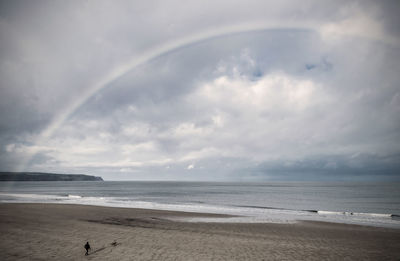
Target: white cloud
275 91
358 24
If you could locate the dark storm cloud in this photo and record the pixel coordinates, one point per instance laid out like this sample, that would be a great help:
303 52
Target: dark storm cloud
333 167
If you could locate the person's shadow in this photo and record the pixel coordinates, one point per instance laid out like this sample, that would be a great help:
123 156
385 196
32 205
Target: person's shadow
98 250
114 244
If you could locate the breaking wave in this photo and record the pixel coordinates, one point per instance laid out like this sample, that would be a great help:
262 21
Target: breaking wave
238 213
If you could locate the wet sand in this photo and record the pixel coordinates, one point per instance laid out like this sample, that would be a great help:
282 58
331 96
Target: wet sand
59 232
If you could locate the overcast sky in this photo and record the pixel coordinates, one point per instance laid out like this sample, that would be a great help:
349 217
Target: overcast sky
197 90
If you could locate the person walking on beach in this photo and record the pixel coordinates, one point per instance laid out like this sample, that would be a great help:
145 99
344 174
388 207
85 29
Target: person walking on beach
87 247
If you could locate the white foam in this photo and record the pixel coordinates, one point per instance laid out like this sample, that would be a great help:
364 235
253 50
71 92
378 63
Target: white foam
74 196
377 215
323 212
28 197
373 215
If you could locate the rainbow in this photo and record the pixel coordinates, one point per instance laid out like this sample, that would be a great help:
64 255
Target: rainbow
151 54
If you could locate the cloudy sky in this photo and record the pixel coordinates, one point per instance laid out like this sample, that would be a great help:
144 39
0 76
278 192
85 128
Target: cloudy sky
197 90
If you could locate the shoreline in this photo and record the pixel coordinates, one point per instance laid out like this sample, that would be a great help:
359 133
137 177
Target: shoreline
198 217
43 231
203 216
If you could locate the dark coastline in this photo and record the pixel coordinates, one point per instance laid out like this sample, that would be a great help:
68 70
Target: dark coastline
41 176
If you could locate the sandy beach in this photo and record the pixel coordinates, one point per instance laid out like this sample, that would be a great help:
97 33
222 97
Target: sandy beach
59 232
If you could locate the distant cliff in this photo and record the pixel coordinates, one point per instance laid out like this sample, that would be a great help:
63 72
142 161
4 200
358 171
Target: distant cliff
38 176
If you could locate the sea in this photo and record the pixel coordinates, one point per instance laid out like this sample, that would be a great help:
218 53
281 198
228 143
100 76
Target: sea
363 203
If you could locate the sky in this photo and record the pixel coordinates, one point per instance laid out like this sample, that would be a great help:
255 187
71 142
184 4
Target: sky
201 90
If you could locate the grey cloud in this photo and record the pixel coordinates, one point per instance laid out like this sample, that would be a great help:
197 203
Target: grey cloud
164 111
156 120
388 13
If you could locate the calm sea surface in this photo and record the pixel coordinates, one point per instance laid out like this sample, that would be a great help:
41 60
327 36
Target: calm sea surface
376 204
